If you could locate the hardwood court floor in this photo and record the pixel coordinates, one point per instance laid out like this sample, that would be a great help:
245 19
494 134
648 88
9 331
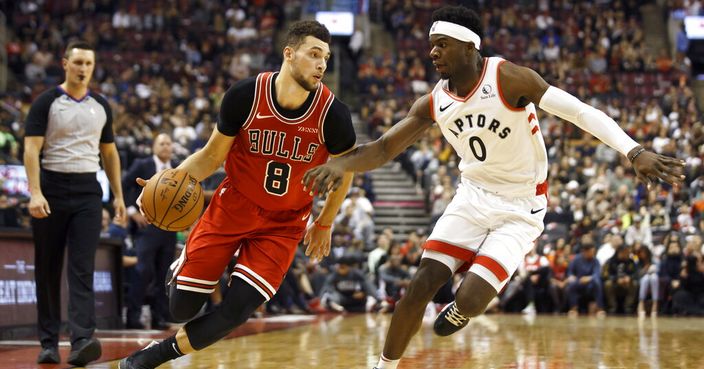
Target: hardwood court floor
495 341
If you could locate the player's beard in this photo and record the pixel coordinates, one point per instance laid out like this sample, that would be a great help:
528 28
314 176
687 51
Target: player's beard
302 81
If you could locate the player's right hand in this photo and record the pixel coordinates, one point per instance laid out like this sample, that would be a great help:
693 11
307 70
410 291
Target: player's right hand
38 206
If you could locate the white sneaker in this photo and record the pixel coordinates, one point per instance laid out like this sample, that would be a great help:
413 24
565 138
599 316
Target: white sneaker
334 306
529 310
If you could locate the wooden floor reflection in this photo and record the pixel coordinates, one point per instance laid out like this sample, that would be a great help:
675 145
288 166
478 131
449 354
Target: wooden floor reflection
498 341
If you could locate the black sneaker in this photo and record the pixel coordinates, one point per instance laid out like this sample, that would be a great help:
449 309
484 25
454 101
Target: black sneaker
130 361
84 351
49 355
449 321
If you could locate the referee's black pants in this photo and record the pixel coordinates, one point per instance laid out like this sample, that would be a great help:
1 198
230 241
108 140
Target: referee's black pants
75 220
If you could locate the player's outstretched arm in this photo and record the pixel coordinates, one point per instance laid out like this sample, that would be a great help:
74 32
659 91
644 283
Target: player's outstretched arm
522 85
374 154
206 161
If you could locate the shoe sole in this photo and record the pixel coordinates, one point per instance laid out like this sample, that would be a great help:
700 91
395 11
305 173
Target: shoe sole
91 352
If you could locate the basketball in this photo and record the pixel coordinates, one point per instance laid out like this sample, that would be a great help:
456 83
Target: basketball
172 200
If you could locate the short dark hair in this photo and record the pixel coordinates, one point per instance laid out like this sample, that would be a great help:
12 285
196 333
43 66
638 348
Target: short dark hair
77 44
299 30
460 15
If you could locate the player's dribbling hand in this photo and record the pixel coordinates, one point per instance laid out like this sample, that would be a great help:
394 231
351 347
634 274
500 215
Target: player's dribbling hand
318 241
322 179
651 167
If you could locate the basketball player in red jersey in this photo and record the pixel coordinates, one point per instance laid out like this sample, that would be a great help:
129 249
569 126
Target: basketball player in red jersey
272 128
485 107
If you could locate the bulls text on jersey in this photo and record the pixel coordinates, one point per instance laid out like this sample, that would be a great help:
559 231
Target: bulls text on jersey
270 142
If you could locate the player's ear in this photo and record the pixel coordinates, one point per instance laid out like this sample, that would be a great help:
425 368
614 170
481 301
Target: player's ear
288 53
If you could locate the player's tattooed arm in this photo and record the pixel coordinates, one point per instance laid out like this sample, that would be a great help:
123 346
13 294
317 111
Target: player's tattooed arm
374 154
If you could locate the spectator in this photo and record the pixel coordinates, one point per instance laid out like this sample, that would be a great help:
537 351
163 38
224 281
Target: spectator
689 300
375 256
394 279
540 293
347 289
620 281
359 211
584 280
648 282
669 272
155 247
608 248
639 232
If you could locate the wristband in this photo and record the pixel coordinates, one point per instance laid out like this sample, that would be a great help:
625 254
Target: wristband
317 224
640 151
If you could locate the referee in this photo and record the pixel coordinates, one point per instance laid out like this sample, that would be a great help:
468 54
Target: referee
68 130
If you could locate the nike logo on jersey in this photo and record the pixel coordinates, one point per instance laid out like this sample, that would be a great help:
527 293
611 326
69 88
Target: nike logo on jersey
536 211
305 216
260 116
443 108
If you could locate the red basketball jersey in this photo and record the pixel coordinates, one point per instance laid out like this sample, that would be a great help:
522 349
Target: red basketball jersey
271 152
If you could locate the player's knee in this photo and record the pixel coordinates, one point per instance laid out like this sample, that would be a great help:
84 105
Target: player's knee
184 305
234 312
424 286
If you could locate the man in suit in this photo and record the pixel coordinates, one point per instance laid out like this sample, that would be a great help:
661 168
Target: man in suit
155 247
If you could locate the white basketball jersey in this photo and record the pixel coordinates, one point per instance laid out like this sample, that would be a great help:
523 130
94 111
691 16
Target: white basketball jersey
501 147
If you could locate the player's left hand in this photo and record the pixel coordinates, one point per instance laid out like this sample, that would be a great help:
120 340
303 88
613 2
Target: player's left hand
651 167
317 239
322 179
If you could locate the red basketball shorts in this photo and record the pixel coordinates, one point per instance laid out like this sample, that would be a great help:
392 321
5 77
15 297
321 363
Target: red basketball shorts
265 243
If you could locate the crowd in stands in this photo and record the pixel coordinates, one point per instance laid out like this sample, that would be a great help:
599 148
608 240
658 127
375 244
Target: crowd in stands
609 245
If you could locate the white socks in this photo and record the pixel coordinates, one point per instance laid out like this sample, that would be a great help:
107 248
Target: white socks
385 363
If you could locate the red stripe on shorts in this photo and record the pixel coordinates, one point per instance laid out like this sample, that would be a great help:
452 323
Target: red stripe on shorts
449 249
493 266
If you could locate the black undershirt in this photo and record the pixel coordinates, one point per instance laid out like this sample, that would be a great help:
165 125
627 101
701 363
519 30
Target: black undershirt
237 104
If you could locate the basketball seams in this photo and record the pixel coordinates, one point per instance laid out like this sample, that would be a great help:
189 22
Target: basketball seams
195 202
173 198
148 215
154 193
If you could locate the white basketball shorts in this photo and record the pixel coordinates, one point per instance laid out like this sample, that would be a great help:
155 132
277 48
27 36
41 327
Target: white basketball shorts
486 233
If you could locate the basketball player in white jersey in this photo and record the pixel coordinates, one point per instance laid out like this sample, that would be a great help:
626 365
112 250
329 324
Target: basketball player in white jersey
485 108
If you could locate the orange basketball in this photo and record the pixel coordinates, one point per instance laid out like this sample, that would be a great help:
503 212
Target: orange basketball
172 200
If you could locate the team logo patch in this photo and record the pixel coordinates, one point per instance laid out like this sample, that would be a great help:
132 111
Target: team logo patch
487 92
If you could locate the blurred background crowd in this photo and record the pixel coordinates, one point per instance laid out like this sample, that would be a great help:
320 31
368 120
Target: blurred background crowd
610 246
